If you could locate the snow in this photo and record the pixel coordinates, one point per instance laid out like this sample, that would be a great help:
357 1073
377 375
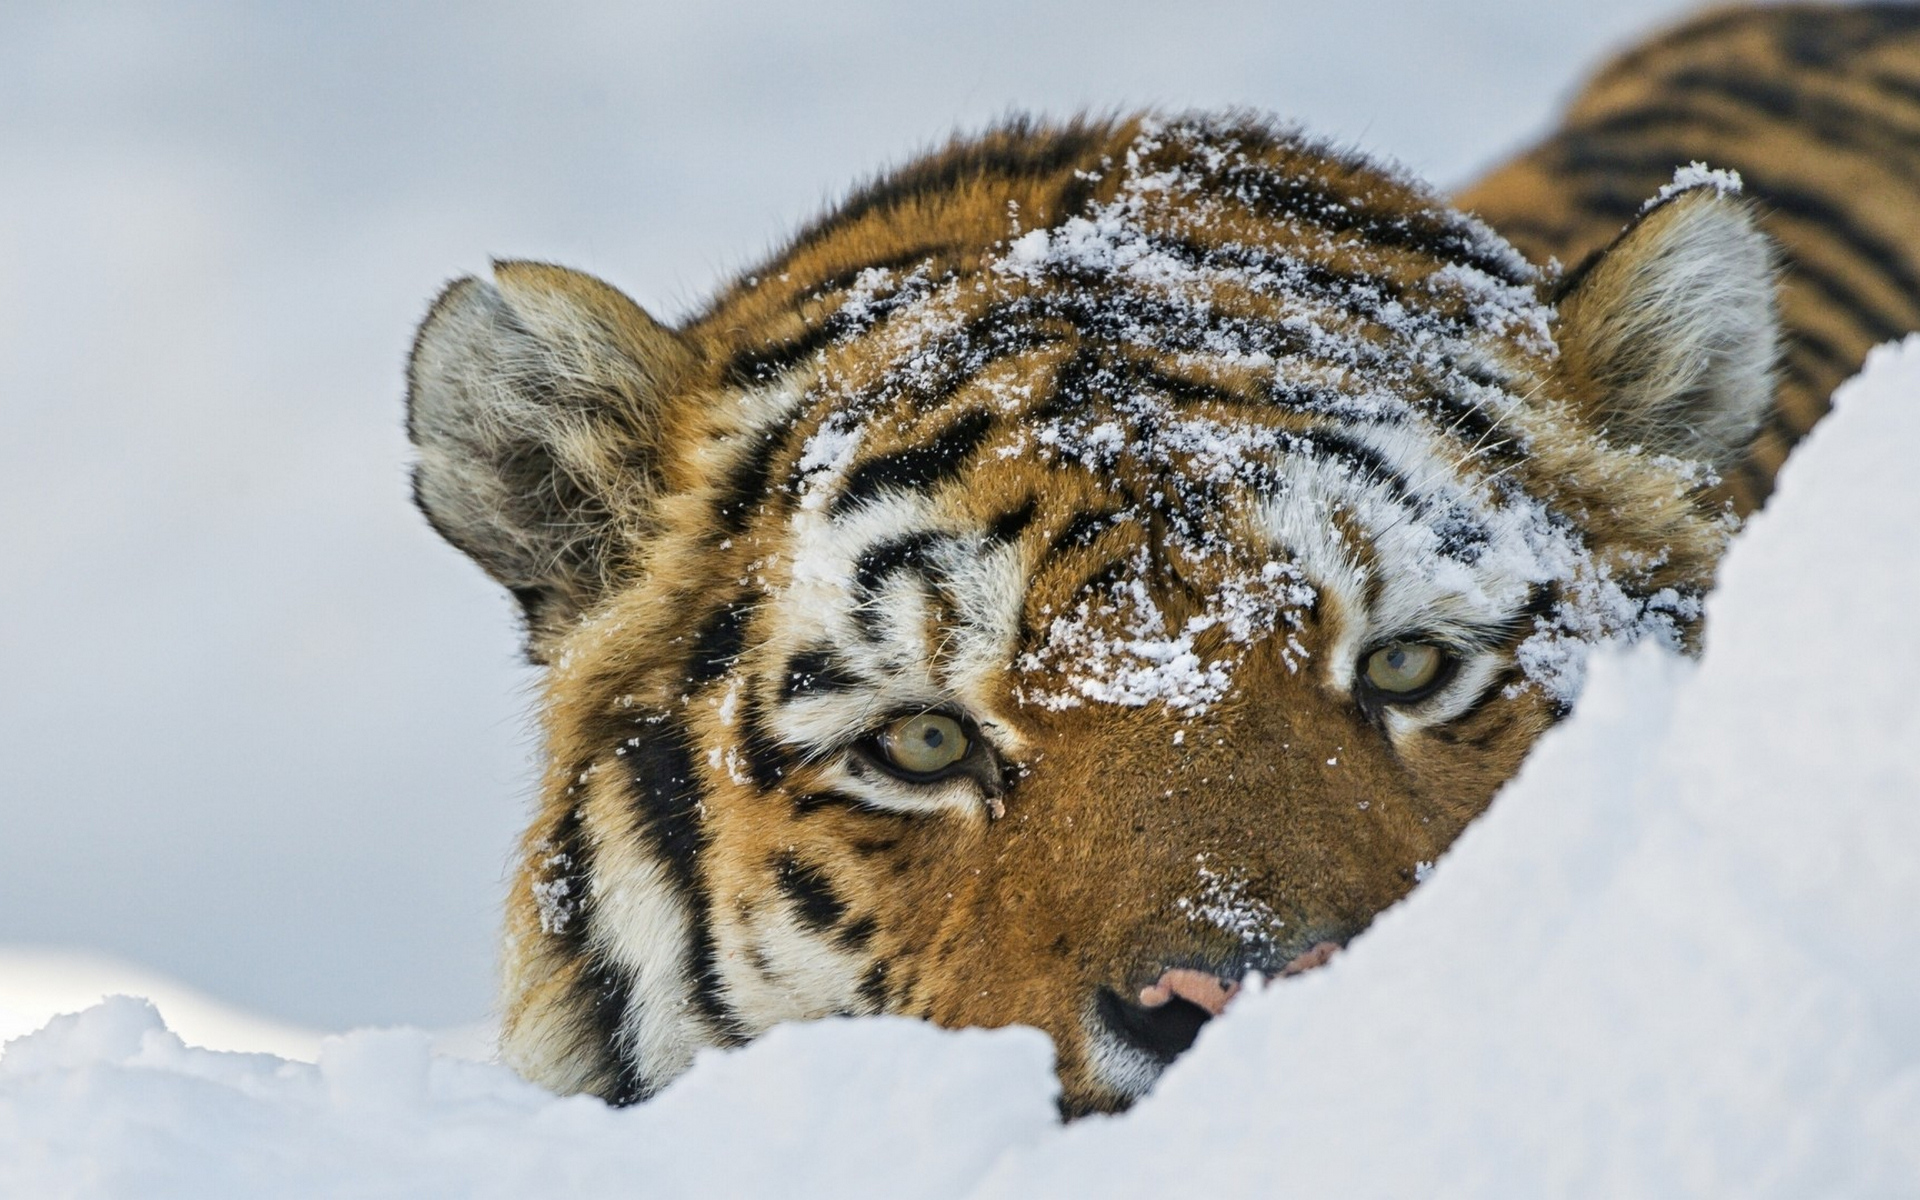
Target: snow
1697 174
110 1103
1676 958
1392 364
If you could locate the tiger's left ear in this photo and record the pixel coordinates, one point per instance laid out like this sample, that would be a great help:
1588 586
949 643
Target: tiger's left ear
1668 337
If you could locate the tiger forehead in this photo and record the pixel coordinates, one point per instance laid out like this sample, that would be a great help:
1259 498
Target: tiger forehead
1250 278
1078 432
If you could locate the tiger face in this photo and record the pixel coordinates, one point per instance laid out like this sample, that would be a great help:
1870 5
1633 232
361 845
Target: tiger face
1090 566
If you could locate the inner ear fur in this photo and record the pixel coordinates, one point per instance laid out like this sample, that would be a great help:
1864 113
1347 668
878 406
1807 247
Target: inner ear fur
534 401
1668 337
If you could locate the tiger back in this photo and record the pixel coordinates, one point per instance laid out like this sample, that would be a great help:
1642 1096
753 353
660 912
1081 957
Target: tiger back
1817 107
1091 564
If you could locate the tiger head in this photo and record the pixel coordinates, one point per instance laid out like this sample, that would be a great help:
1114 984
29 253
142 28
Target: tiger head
1089 566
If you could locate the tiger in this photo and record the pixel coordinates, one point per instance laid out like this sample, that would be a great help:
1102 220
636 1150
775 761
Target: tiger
1104 561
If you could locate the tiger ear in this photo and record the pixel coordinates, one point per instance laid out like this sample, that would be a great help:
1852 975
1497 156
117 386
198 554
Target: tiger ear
1668 337
534 401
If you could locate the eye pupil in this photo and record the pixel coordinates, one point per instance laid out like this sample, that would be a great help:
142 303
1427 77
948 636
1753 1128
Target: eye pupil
1400 670
923 744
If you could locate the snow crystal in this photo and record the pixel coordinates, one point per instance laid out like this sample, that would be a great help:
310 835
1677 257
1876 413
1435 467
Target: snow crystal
1697 175
1222 902
553 890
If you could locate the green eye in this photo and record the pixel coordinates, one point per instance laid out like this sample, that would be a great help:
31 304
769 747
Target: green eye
1403 670
924 743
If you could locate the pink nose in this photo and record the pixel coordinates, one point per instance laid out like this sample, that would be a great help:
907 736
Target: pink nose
1211 992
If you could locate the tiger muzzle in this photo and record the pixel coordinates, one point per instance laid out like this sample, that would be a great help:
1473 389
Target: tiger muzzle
1166 1016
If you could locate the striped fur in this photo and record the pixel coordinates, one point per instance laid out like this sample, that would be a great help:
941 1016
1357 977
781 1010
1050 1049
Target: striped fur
1818 109
1126 445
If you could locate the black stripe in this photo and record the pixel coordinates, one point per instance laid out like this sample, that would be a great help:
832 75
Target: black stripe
1434 232
917 468
608 993
1470 422
816 671
857 933
1359 459
1906 90
566 872
1828 37
745 487
755 365
719 641
807 803
939 369
1020 149
1816 346
1369 296
882 559
1008 526
768 761
1835 294
815 901
667 800
1082 531
901 260
1874 251
873 988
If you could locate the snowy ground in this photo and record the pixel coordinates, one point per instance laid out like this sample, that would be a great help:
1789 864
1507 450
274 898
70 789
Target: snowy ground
1677 957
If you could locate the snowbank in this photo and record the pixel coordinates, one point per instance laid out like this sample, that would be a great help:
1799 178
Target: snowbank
37 983
1679 957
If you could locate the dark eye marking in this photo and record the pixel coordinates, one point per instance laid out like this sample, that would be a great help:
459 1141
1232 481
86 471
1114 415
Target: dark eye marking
916 468
815 901
807 803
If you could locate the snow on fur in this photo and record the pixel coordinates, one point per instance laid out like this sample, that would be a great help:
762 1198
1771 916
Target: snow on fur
1677 957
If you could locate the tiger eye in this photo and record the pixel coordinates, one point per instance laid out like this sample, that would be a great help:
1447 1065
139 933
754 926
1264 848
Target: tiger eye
924 743
1403 668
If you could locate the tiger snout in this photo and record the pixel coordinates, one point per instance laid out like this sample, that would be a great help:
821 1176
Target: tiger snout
1165 1016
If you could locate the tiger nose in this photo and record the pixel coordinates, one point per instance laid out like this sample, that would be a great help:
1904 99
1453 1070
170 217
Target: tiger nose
1169 1012
1207 991
1167 1015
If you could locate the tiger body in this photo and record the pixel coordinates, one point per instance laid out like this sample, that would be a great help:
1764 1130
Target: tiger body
1233 511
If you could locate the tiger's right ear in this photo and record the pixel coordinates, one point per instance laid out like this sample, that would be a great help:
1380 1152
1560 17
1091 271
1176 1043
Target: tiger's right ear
1668 337
534 402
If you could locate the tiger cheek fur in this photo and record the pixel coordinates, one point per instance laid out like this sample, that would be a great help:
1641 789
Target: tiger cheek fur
1226 515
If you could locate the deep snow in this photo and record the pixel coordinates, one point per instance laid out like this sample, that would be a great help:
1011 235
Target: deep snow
1677 957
